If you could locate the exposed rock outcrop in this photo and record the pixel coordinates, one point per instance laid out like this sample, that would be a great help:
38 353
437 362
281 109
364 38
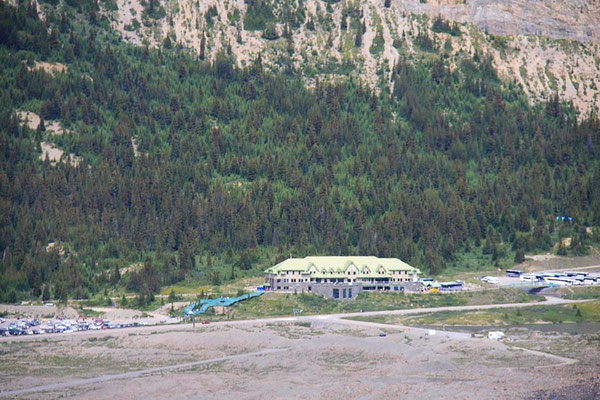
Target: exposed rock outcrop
547 47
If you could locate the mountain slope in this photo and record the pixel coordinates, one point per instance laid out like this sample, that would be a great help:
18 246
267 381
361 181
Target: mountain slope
545 47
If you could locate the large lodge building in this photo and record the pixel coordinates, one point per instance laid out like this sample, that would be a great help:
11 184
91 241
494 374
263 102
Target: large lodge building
340 277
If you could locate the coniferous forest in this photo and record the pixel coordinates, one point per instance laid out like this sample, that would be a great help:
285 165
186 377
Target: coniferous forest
203 171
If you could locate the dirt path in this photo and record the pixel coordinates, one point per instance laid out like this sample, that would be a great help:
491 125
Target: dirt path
407 329
594 267
134 374
562 360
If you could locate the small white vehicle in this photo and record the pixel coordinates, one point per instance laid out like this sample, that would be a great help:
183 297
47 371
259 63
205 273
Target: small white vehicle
529 278
490 279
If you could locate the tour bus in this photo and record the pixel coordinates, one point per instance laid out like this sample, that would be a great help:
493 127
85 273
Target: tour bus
573 273
591 280
514 273
560 281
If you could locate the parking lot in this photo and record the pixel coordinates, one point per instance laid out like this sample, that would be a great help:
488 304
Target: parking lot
19 327
583 276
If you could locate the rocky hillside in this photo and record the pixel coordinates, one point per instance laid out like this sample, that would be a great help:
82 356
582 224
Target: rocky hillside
556 19
546 47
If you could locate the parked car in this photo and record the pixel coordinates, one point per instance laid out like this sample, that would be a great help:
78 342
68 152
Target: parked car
490 279
14 331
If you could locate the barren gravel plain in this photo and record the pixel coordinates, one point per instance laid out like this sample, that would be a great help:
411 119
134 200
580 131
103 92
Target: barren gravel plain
320 357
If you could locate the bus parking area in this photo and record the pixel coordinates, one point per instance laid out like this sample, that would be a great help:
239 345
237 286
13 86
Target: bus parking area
587 276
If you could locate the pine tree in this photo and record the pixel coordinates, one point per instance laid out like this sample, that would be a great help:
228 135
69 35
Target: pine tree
203 46
41 126
45 293
116 275
519 256
358 37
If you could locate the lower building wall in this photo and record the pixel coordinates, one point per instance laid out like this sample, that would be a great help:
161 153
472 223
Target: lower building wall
340 291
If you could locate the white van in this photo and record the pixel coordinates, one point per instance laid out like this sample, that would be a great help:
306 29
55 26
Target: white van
529 278
491 279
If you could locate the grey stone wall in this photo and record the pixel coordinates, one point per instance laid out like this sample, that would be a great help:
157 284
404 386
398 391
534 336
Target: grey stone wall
338 291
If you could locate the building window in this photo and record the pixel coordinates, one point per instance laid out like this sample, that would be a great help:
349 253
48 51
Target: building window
350 293
336 293
309 288
344 293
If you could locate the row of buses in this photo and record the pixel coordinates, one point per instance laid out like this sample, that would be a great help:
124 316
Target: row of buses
567 278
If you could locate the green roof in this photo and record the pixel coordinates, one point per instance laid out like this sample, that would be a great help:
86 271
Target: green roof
375 276
340 264
328 276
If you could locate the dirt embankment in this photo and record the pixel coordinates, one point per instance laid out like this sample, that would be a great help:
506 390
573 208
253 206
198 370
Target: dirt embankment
38 311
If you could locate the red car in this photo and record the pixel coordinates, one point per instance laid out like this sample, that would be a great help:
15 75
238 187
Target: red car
205 322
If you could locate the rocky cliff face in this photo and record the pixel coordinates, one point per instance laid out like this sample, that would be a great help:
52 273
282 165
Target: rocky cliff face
546 46
557 19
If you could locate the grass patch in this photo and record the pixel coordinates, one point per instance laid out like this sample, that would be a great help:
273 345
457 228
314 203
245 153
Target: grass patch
226 289
278 304
101 338
583 312
89 313
573 293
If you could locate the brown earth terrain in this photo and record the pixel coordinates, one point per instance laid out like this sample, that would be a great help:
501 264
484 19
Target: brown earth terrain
320 357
